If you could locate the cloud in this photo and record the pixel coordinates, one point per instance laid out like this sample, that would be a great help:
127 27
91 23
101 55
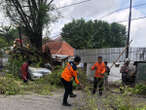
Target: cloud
137 27
86 10
97 8
138 33
122 16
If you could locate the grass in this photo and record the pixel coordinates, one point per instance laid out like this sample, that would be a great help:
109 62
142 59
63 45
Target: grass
112 101
129 100
10 85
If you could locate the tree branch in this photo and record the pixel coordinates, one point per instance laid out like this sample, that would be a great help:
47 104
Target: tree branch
32 13
50 3
22 13
34 4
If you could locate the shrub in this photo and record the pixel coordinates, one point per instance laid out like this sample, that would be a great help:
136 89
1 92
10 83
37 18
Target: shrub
8 86
14 65
54 78
36 87
140 89
111 101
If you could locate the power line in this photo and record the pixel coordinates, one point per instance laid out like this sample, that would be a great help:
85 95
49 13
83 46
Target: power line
133 19
144 4
73 4
106 14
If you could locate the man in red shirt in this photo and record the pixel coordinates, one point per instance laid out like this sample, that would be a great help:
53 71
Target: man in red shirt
99 75
24 71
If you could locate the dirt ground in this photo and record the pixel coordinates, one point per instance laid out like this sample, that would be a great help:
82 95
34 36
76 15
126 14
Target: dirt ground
50 102
36 102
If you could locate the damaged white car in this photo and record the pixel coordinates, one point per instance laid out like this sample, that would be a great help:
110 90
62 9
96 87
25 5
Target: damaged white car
36 73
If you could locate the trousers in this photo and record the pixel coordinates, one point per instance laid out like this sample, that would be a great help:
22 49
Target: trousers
98 82
68 90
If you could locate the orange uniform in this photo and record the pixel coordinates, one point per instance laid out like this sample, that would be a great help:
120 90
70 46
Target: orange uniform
69 72
100 69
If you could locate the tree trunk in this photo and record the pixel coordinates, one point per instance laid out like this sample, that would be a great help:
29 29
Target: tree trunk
36 41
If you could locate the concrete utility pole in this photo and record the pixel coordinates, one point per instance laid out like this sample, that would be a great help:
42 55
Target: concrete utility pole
129 28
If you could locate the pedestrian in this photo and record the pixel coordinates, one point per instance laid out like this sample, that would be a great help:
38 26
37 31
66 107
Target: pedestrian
69 73
24 71
107 73
100 68
125 70
132 74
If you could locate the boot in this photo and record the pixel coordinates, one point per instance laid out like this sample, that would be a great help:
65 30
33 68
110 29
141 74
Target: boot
73 95
94 91
66 104
100 93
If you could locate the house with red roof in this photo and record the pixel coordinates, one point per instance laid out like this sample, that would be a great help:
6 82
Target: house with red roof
59 49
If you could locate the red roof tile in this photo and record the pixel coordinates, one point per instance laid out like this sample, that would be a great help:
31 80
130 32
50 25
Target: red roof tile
59 47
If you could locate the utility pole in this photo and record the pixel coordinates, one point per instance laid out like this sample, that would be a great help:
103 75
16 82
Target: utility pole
129 28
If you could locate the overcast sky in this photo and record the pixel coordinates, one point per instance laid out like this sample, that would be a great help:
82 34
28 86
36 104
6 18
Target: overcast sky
94 9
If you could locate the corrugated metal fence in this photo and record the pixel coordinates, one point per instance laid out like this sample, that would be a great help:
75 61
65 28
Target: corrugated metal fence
110 54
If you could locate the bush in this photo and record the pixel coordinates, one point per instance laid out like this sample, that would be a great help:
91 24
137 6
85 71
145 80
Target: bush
14 65
36 87
8 86
54 78
111 101
140 89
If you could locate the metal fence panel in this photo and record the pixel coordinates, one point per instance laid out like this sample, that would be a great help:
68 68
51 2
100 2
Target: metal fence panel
111 54
141 72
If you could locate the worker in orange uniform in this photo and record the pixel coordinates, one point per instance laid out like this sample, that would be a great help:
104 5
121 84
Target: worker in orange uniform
69 73
99 75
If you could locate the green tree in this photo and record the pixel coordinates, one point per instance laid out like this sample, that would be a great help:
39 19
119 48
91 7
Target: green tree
3 43
94 34
32 16
118 35
45 40
9 34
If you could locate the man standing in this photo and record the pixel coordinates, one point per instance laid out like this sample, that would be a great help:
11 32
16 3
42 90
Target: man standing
125 70
128 73
99 75
69 73
24 71
132 74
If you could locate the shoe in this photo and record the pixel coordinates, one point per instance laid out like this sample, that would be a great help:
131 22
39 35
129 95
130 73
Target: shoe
73 95
66 104
100 93
93 92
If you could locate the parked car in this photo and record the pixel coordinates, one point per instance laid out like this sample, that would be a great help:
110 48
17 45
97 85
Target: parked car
36 73
48 66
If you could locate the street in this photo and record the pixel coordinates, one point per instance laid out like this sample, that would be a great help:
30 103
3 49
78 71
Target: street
35 102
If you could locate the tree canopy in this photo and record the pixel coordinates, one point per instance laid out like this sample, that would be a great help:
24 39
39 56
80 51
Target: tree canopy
82 34
8 34
32 16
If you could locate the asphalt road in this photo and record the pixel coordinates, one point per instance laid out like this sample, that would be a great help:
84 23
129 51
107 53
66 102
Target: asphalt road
35 102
